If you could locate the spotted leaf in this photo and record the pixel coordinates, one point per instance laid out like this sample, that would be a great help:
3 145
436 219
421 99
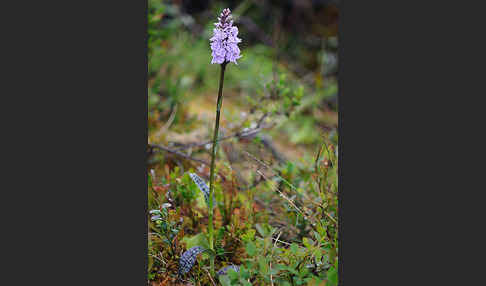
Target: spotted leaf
188 259
202 186
224 270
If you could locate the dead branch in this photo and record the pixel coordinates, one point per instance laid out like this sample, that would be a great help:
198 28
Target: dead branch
240 134
176 152
267 143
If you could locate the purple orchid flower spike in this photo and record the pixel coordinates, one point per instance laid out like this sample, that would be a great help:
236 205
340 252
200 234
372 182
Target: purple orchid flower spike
224 43
224 46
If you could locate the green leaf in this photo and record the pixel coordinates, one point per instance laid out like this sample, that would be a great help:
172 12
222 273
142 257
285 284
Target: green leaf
224 280
251 248
294 248
332 276
233 274
292 270
263 266
196 240
261 230
244 272
318 254
249 235
307 242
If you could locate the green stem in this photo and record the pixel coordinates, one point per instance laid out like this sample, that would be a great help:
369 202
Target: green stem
213 159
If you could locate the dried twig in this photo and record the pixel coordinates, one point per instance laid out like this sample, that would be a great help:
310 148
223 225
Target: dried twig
210 278
285 197
270 168
169 122
271 276
254 184
240 134
274 246
267 143
281 241
161 147
159 259
276 240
